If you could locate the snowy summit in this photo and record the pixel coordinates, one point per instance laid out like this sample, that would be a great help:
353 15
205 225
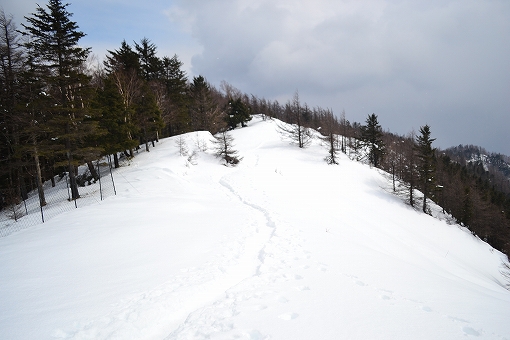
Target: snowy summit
281 246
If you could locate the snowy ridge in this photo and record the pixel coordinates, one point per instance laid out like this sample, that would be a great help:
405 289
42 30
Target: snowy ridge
283 246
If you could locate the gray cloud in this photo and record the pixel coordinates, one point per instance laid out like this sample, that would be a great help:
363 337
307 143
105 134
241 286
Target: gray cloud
444 63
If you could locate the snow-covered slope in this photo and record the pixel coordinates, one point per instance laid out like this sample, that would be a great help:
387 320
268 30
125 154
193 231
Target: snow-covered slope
283 246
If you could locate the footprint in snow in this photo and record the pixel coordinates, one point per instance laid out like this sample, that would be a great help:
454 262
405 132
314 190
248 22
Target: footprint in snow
470 331
256 335
288 316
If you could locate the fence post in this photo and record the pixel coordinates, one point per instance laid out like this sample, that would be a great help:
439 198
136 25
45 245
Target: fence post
68 194
99 175
42 214
111 174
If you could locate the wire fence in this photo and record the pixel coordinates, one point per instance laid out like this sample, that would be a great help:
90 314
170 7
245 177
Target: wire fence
29 212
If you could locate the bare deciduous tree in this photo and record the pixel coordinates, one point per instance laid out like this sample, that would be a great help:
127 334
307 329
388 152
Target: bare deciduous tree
296 132
180 142
329 136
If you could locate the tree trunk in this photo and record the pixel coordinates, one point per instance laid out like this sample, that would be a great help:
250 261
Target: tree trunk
93 170
52 177
72 183
72 173
411 194
116 160
22 185
424 208
40 189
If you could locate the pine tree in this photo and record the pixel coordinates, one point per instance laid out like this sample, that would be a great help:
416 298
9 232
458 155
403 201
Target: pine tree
54 38
204 111
147 116
123 68
109 104
176 84
426 164
371 137
224 148
150 65
122 59
12 64
237 113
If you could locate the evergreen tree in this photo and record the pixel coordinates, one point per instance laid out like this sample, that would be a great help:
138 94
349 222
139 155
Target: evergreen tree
237 113
122 59
151 66
109 104
33 114
224 148
12 61
148 116
176 83
123 68
204 111
371 137
54 38
426 164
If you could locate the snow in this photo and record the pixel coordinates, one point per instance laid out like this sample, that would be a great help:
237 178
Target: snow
283 246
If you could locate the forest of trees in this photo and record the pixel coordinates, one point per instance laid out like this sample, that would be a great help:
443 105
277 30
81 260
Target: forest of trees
59 110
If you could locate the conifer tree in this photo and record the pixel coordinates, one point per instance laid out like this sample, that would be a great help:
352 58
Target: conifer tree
371 137
12 62
204 111
122 59
150 65
148 115
176 84
109 104
426 164
224 148
54 38
123 68
237 113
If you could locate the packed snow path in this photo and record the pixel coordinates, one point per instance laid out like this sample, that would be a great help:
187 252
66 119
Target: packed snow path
281 247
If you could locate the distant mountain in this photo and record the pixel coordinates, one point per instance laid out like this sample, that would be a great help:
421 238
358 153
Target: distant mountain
495 165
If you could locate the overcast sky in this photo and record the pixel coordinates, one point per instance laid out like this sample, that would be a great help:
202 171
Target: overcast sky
445 63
